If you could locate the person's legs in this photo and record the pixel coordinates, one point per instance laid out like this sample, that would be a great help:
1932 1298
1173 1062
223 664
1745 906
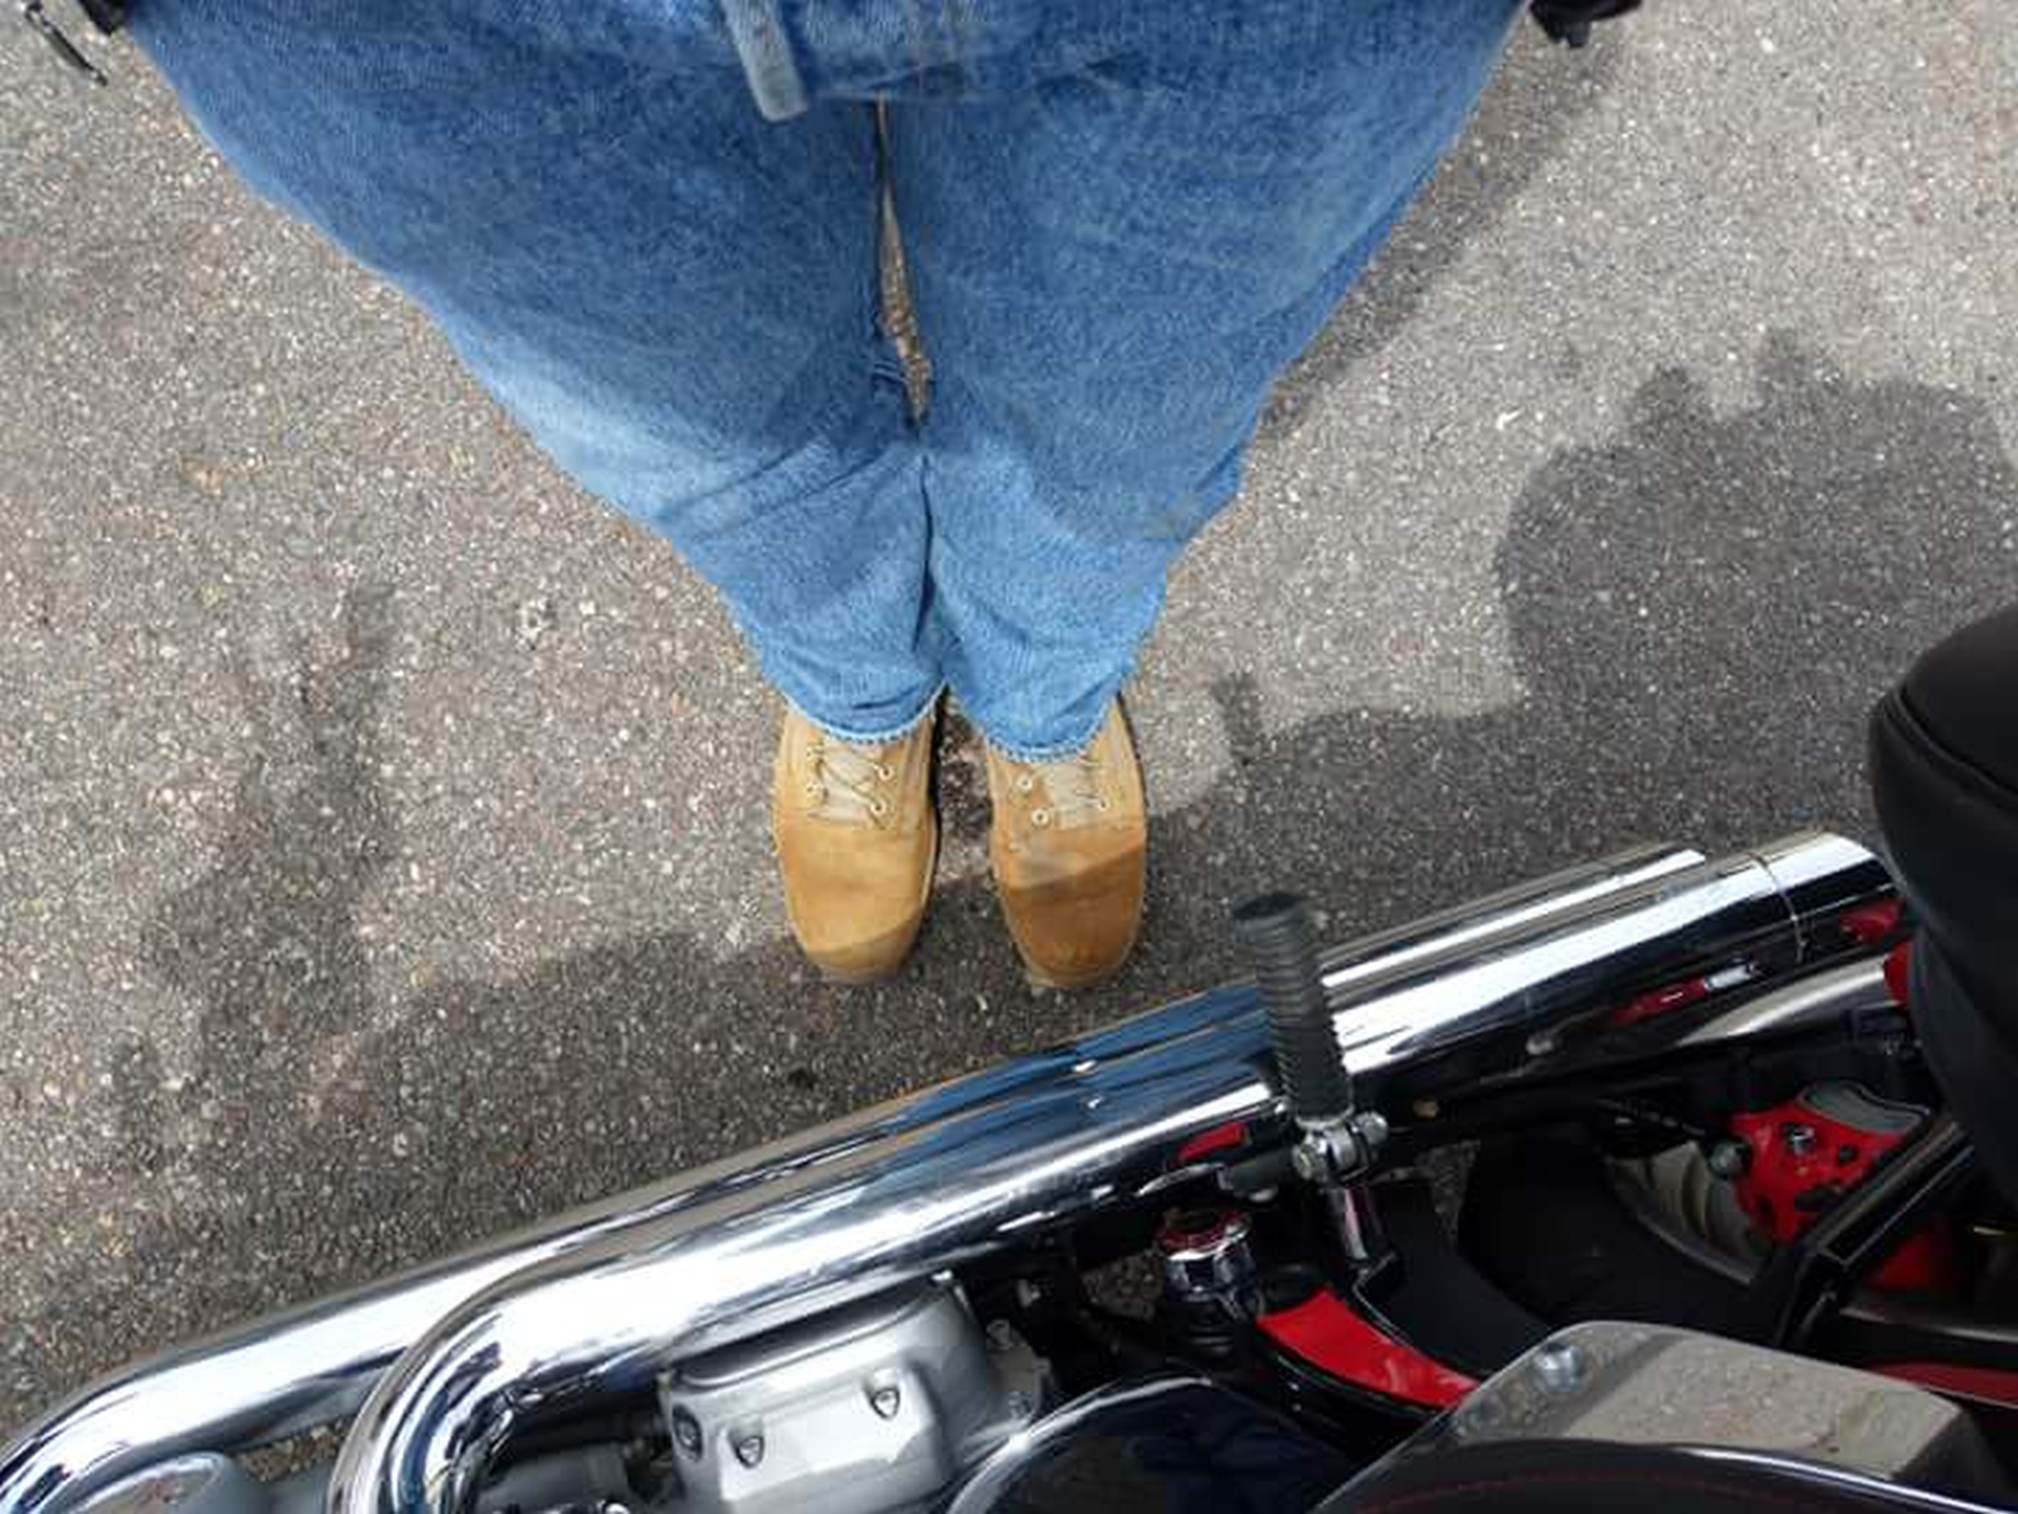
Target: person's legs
679 300
676 297
1111 267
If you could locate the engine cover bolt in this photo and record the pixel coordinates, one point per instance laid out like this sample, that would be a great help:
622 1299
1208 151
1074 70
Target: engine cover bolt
1559 1366
1001 1336
1799 1139
886 1401
687 1433
750 1450
1729 1159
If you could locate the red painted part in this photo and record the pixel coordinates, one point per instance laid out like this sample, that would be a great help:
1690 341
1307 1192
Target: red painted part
1218 1138
1329 1334
1921 1265
1991 1384
1898 972
1873 923
1672 996
1659 1001
1783 1190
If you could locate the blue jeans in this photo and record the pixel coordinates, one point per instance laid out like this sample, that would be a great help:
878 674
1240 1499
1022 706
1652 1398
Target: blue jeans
650 227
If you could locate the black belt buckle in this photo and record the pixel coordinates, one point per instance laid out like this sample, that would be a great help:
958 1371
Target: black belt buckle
107 15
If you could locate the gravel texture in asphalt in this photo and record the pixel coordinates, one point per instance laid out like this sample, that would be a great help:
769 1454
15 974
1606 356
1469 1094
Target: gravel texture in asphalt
382 821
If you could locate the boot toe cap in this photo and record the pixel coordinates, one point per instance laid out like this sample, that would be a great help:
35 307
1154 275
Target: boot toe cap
1074 932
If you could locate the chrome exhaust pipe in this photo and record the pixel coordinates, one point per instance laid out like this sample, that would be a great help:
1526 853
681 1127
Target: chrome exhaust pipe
961 1175
603 1298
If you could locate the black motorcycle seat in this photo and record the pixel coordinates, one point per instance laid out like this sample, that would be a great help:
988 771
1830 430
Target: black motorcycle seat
1944 774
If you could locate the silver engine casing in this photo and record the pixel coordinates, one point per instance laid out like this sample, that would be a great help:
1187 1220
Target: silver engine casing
879 1406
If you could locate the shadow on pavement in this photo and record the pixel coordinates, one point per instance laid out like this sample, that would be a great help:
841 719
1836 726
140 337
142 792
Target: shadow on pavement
1523 123
1703 610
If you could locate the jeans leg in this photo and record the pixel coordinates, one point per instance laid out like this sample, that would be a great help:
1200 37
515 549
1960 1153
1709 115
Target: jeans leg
677 298
1111 268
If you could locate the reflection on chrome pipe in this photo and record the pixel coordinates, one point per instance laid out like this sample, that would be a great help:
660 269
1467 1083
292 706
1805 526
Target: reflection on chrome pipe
1807 1003
1559 993
954 1173
1351 969
282 1374
314 1366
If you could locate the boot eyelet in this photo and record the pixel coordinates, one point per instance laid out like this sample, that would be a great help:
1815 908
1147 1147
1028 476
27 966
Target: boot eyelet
1025 783
885 772
880 808
1040 817
1104 805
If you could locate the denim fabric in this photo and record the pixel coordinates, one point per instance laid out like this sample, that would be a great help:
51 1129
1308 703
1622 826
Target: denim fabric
798 51
1123 216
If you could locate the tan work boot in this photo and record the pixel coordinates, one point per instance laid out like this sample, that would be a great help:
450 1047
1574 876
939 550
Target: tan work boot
856 841
1070 845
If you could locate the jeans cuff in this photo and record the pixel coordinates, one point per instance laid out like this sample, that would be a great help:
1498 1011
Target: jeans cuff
1049 751
757 27
871 738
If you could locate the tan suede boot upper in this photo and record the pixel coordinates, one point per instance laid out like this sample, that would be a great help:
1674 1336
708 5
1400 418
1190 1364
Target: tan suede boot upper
856 841
1070 845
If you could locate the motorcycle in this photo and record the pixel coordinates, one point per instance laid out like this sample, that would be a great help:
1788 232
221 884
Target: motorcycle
1651 1180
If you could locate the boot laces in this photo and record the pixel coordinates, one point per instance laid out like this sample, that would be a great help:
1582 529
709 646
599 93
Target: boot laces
846 782
1071 789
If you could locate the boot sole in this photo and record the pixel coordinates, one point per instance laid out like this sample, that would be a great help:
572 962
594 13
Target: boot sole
1037 977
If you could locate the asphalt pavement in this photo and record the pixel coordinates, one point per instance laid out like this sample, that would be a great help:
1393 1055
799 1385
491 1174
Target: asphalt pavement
382 821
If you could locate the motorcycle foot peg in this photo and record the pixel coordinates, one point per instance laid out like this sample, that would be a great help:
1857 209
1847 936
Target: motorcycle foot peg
1280 939
1337 1141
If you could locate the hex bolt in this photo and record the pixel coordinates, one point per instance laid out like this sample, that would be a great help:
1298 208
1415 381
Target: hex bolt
1729 1159
1019 1405
687 1433
1558 1366
1001 1336
1799 1139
